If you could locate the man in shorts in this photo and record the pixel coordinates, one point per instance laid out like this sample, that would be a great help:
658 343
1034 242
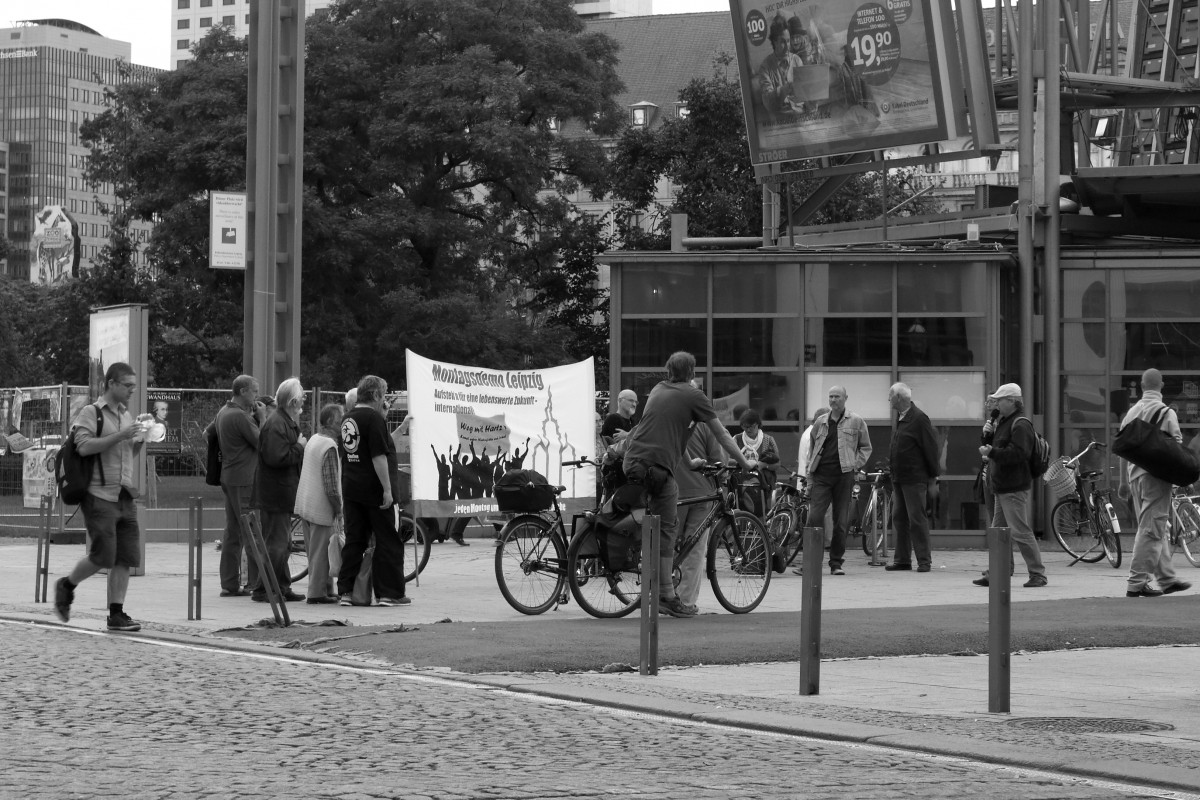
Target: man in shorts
108 509
655 447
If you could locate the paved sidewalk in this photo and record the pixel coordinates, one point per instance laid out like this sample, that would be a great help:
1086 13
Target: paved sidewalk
929 703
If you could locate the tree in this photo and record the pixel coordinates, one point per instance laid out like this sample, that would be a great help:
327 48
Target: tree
706 157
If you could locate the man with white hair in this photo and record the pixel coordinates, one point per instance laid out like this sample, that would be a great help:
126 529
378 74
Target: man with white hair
618 424
1151 496
913 457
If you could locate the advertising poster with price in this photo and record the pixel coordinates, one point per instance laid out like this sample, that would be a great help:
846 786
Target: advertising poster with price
826 77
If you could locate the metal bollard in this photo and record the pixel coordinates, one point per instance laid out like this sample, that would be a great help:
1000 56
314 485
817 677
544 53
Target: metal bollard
195 554
41 576
999 618
810 611
649 635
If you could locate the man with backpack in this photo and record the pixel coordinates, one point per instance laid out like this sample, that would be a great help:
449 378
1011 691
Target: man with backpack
236 428
1009 443
106 431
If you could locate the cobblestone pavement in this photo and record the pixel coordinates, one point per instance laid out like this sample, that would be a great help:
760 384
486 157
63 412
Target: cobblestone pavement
91 715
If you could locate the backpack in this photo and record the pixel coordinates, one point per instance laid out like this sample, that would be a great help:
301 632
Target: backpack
1039 456
72 471
212 459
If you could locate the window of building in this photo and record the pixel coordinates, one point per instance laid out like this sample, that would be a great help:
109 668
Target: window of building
183 24
227 20
227 2
206 22
181 44
640 116
205 3
183 4
681 110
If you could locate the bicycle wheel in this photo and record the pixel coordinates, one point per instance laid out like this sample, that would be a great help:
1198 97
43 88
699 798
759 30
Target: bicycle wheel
874 526
414 534
297 550
739 562
1076 531
1188 517
598 590
783 526
1109 540
531 561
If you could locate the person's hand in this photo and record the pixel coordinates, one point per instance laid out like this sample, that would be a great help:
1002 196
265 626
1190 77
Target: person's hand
697 463
1123 491
387 499
619 435
302 440
989 428
752 463
985 450
933 491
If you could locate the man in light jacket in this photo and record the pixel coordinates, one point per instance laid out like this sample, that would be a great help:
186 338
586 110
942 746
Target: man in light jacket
1151 498
841 446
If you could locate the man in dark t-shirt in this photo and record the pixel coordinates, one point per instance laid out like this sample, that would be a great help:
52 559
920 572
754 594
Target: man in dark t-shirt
653 453
618 424
368 456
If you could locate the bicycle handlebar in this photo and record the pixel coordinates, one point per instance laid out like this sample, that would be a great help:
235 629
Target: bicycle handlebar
1072 463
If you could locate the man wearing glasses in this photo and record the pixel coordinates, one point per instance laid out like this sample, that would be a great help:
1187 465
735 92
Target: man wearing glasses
108 509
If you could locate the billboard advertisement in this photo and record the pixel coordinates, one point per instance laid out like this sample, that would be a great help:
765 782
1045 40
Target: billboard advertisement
470 425
55 246
827 77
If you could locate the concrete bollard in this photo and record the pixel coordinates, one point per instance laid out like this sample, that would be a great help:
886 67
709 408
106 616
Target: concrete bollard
999 618
810 611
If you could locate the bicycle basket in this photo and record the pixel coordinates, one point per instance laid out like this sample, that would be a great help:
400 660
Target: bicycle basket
523 490
1060 479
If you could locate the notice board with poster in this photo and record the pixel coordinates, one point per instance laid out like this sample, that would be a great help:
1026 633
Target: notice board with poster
166 413
826 77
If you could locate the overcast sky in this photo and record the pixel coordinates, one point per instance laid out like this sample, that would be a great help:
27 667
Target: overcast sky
146 24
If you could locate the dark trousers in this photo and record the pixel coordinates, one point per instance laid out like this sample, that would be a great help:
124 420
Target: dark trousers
237 500
912 525
387 565
836 492
275 526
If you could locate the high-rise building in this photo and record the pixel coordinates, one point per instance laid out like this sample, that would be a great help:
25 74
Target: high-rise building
53 74
191 20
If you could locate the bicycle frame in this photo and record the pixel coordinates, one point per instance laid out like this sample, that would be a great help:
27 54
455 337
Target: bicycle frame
725 503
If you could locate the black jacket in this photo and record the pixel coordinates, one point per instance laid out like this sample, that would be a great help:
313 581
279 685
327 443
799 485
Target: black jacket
913 454
1008 470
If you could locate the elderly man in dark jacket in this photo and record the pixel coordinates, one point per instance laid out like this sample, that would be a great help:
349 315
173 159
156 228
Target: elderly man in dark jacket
280 454
1008 442
914 462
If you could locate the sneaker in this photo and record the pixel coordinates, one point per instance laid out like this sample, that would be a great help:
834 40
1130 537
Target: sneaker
320 600
1035 582
344 600
395 601
63 597
1145 591
836 571
798 570
695 609
461 542
674 607
981 581
899 568
122 622
1177 586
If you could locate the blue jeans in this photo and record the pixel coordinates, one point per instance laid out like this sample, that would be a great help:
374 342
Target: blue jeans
835 492
1012 511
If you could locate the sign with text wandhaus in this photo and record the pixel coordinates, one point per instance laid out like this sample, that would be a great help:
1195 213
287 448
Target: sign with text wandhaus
826 77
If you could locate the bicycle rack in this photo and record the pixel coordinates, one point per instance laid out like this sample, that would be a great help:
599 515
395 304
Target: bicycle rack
195 554
252 534
42 576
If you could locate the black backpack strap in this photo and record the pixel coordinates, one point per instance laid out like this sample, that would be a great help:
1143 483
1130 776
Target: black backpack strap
99 429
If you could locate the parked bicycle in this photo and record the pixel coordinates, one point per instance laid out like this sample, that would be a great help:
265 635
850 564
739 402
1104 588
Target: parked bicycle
876 520
737 561
1185 524
1084 521
787 516
531 551
412 533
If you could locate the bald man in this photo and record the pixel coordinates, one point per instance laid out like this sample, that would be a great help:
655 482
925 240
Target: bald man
1151 498
840 446
618 425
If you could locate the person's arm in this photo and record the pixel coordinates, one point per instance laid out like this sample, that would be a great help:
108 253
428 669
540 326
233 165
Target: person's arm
385 480
331 481
1018 447
929 448
863 454
278 448
89 444
727 443
770 451
1171 421
244 428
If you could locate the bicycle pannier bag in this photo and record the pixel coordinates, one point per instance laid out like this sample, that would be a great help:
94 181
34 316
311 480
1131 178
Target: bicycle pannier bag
1145 444
72 471
212 459
523 490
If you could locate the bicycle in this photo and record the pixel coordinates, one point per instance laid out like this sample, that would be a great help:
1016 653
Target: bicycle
786 517
531 554
1184 524
737 561
876 520
410 530
1084 521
